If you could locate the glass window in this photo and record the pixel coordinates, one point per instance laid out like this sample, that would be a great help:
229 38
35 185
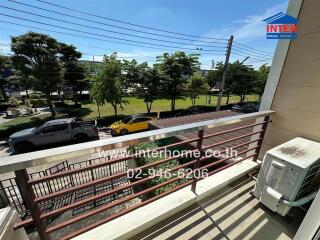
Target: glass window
140 120
127 119
54 128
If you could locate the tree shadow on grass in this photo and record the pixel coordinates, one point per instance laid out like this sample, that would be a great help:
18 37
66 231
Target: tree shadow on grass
79 112
86 101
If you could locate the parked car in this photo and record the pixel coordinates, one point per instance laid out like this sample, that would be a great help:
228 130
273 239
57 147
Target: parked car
53 132
245 108
132 123
188 111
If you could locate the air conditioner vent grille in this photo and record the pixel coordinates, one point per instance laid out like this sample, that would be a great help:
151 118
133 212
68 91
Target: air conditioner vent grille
312 172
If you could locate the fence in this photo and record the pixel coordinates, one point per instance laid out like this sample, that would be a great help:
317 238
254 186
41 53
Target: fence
12 195
120 198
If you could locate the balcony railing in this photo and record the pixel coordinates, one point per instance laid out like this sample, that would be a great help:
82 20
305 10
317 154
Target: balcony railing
245 134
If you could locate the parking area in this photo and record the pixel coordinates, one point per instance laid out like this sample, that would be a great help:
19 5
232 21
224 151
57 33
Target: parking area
4 147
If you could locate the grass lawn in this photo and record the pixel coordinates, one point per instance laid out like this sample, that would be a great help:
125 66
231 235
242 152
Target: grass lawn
136 105
23 122
89 111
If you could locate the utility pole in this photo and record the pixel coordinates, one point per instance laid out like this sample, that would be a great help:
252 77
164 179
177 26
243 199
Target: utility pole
224 74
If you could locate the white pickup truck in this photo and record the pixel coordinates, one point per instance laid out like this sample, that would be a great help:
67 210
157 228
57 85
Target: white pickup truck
52 133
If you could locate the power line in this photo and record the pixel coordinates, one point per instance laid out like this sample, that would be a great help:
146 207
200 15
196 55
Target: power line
102 35
239 48
114 26
127 23
248 47
80 44
93 38
250 57
110 31
249 53
263 60
89 54
252 51
136 57
244 47
96 55
143 59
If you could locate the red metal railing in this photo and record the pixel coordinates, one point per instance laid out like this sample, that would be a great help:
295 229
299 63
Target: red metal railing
247 144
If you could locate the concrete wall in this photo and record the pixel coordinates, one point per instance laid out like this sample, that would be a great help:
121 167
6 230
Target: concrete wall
297 96
8 218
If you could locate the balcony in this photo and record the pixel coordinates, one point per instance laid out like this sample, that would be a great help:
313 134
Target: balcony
93 190
229 213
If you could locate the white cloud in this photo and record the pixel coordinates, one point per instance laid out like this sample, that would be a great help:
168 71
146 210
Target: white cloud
249 28
253 26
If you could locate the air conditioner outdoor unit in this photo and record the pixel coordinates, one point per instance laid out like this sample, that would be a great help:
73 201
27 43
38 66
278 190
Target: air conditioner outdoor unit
286 173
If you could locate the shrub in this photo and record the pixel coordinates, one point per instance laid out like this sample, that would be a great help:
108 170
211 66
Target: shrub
14 101
38 102
144 160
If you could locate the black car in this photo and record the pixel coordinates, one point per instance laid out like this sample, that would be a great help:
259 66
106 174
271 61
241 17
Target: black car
245 108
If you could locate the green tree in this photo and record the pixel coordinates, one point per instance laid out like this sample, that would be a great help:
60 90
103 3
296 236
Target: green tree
215 77
96 92
262 76
144 79
196 86
175 69
84 84
107 85
91 82
23 73
73 71
243 79
2 77
41 53
240 80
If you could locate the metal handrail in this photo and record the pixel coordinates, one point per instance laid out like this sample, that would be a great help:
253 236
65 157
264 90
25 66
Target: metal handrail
33 159
40 218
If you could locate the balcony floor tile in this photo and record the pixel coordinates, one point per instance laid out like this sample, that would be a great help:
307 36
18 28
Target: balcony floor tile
231 214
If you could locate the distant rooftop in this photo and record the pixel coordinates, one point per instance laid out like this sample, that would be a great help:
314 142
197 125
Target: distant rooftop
175 121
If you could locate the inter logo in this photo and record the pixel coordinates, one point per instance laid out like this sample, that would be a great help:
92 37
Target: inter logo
281 26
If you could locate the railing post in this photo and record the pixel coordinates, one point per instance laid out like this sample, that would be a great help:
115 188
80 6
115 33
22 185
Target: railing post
261 136
4 201
28 197
197 164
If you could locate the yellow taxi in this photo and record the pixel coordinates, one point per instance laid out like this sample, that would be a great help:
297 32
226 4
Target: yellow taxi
132 123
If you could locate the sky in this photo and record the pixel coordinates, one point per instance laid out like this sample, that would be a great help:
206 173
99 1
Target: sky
205 20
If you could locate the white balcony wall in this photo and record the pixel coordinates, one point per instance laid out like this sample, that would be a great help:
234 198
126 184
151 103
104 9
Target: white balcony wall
295 92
